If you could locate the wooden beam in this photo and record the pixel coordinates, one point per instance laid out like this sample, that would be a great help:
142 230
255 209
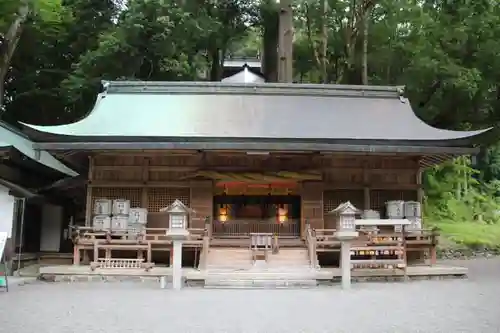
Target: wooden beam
360 186
24 178
123 184
177 168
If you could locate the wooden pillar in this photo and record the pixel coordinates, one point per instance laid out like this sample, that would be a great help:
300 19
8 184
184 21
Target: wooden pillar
172 255
312 205
366 198
366 188
149 254
76 255
145 179
88 203
202 200
420 190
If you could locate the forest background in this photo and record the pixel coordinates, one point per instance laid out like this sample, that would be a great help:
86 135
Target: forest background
54 54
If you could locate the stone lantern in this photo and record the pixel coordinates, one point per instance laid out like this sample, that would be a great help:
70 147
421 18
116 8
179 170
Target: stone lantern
345 215
178 216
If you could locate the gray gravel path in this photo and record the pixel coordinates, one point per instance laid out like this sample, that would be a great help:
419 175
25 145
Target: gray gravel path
423 306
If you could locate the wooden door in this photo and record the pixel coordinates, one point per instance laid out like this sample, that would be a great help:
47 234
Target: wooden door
312 205
202 196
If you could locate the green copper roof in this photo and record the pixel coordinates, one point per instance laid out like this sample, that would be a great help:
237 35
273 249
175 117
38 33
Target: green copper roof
10 137
218 110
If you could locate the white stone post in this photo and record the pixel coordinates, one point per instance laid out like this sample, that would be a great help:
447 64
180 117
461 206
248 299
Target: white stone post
177 265
177 232
345 263
345 238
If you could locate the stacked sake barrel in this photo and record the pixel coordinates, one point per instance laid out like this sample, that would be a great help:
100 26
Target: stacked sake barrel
101 220
137 220
121 213
411 210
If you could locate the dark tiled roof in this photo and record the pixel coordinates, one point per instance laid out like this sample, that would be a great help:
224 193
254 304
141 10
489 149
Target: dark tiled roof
217 110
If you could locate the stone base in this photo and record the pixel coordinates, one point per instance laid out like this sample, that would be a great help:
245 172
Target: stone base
259 283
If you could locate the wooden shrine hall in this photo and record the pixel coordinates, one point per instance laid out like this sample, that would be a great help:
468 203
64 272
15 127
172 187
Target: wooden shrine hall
249 158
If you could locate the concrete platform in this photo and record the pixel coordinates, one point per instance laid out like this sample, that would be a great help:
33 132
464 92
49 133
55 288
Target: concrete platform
323 275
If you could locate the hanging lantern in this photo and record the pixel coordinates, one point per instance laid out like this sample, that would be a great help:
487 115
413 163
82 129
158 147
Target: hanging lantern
223 214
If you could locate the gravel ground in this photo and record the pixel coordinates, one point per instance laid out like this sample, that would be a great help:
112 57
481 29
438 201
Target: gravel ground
422 306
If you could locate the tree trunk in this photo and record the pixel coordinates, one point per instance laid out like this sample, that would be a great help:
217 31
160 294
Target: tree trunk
364 56
10 43
270 24
215 68
324 42
285 42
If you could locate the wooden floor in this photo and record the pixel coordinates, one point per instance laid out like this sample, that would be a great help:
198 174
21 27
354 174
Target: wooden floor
194 274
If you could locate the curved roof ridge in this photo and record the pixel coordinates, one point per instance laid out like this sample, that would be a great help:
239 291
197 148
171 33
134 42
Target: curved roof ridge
259 88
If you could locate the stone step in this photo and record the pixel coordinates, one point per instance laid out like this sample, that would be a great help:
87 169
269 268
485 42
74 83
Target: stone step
259 283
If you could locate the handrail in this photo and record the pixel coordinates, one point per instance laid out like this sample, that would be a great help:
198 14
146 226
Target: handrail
311 246
206 245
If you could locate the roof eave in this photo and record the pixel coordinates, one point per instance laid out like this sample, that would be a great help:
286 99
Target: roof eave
258 146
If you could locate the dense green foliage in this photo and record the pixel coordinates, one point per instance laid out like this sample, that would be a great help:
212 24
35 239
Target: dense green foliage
444 52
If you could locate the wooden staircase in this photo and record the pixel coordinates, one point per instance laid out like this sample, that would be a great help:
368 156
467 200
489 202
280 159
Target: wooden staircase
288 258
229 267
228 258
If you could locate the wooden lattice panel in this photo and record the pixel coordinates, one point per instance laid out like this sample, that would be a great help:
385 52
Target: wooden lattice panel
162 197
129 193
331 199
378 198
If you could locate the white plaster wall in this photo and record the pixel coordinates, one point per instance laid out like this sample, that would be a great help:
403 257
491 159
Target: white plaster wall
50 235
6 211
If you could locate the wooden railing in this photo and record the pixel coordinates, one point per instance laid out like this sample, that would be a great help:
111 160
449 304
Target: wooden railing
238 228
423 240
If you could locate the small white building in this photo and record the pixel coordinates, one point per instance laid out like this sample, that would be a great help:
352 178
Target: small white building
30 212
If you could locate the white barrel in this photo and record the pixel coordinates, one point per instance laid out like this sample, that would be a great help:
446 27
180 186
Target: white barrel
395 209
101 222
102 206
415 224
134 229
412 209
119 222
370 214
138 215
121 207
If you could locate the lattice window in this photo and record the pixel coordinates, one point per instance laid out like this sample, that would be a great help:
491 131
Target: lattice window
129 193
331 199
162 197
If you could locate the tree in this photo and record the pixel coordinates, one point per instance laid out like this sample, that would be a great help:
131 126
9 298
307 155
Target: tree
16 14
